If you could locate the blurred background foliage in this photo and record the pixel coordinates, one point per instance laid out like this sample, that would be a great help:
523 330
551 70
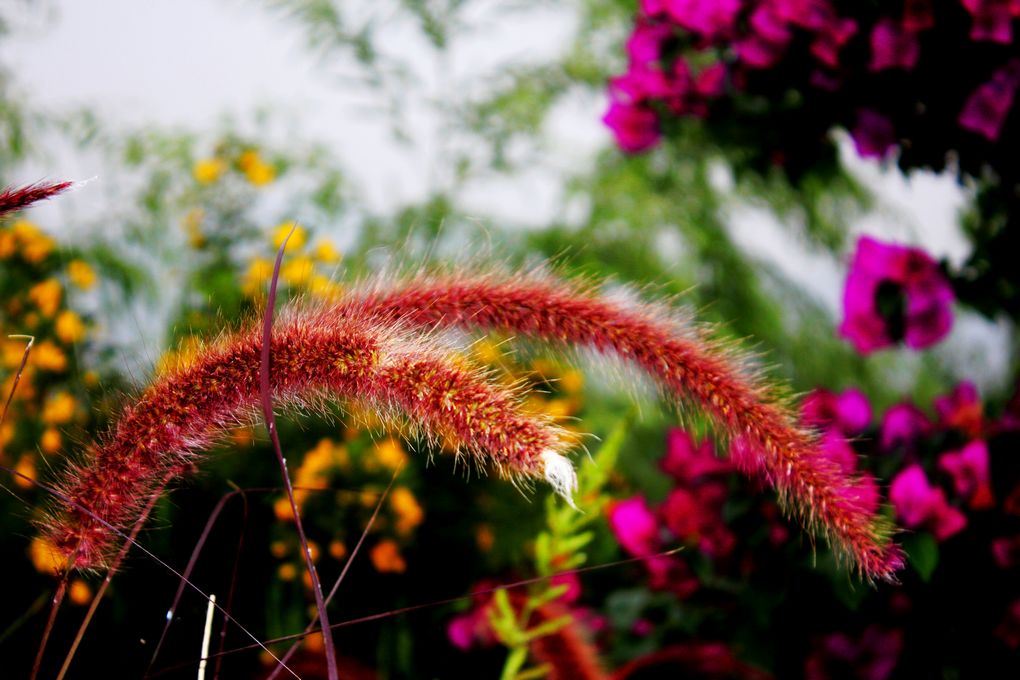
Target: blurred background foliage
182 249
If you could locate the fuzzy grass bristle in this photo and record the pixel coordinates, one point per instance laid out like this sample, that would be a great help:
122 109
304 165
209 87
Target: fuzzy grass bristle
686 362
13 199
313 357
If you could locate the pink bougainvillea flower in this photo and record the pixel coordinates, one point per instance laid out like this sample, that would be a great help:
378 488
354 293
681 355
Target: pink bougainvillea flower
644 47
1009 630
918 15
961 410
711 81
894 293
831 38
573 584
848 412
986 109
920 505
471 629
992 20
756 52
813 15
873 134
893 45
635 526
969 469
635 126
695 516
1006 551
902 426
712 19
686 462
872 656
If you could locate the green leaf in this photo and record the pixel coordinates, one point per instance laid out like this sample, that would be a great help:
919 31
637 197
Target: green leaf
923 553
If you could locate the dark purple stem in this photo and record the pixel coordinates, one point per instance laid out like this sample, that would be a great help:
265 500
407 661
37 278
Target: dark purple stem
266 395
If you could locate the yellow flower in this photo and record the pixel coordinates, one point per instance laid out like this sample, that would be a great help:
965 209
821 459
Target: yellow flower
192 224
408 511
325 252
390 453
386 558
297 271
69 327
79 593
48 357
51 440
8 243
259 271
571 381
46 558
25 468
46 296
35 245
255 169
324 288
81 274
297 239
208 170
59 409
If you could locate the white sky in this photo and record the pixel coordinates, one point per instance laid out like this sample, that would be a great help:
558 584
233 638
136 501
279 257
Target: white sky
192 63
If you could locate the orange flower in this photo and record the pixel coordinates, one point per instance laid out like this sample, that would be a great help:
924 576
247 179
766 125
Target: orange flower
48 357
46 296
69 327
386 558
408 511
51 440
59 409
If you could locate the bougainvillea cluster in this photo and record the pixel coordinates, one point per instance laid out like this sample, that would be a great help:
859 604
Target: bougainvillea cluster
954 485
926 76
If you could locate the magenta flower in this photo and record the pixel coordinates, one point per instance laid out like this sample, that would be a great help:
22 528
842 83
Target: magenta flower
687 463
1009 630
635 526
713 19
894 293
695 516
902 425
873 134
920 505
893 45
992 20
757 52
918 15
968 468
644 47
848 412
831 38
1006 551
635 126
961 409
987 107
872 656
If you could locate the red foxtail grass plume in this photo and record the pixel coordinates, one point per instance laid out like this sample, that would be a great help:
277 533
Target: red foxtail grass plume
566 653
13 199
314 357
688 365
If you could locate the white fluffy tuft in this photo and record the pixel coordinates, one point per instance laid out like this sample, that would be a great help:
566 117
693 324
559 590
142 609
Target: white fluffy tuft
559 472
